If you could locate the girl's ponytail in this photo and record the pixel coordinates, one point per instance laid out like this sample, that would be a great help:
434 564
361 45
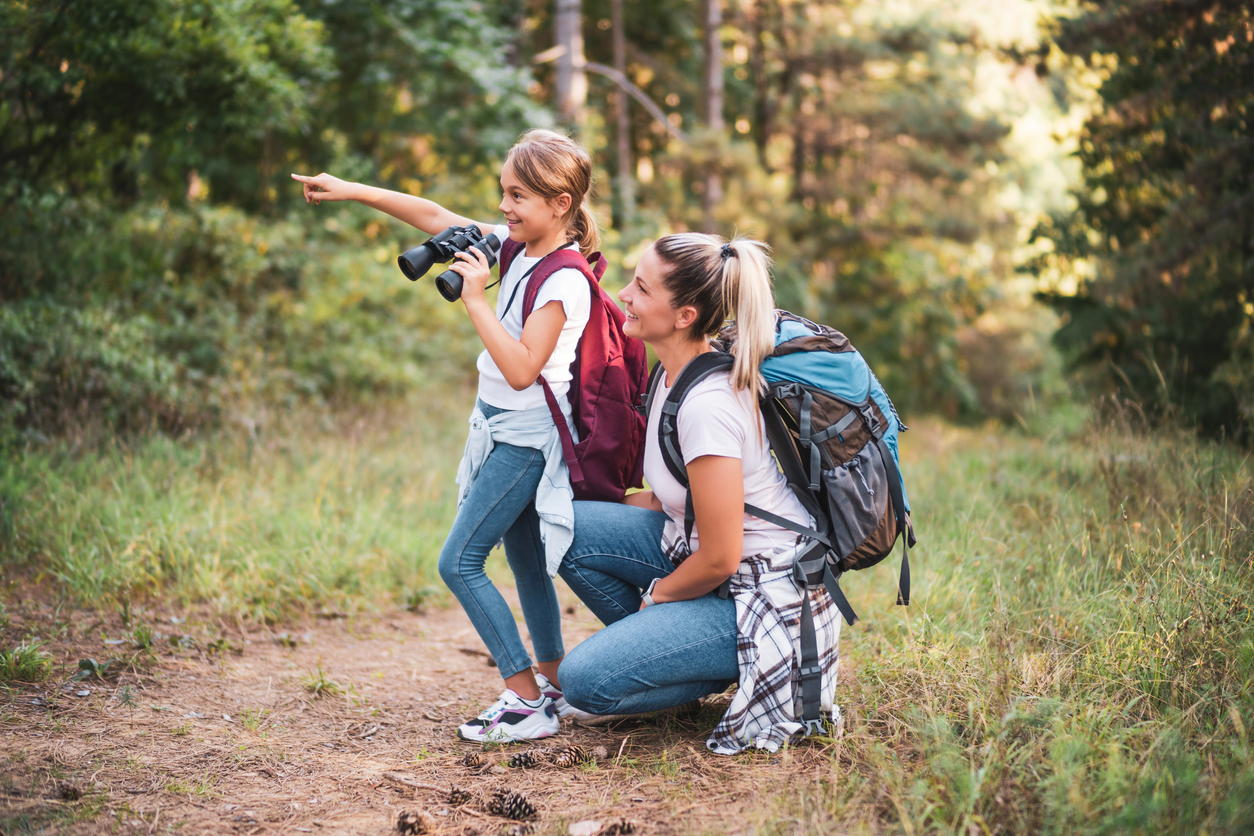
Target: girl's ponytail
583 227
551 165
724 280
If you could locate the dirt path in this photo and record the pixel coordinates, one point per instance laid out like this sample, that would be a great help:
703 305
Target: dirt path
229 738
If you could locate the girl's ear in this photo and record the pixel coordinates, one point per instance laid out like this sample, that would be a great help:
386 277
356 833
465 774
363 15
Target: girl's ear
561 203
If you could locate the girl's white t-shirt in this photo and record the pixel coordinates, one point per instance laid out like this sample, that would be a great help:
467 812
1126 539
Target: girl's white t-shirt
714 420
567 286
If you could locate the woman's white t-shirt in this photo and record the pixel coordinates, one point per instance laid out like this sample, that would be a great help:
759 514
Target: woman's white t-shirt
567 286
716 421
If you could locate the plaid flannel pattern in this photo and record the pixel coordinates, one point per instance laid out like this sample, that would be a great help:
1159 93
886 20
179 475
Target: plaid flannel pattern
766 708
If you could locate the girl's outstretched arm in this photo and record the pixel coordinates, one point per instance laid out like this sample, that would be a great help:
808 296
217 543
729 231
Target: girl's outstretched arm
419 212
520 361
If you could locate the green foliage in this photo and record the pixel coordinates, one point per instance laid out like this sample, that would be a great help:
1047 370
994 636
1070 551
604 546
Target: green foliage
1165 220
194 312
130 95
88 668
859 151
25 663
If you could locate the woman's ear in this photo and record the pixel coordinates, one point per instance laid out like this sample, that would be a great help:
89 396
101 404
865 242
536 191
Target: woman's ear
684 317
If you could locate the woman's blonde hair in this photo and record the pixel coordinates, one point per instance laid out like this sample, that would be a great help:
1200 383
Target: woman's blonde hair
551 165
724 280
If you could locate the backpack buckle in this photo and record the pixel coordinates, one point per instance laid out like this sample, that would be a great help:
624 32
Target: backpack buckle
813 727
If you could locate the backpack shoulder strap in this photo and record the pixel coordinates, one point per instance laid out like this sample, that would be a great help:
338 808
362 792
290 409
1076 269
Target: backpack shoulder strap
697 370
650 389
550 264
509 251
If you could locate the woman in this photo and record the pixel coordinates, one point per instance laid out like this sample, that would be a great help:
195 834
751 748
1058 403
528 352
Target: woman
670 638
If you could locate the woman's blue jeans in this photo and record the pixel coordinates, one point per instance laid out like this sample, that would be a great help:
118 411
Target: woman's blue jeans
501 506
644 660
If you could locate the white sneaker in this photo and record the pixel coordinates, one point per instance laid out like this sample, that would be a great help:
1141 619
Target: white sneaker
551 691
512 718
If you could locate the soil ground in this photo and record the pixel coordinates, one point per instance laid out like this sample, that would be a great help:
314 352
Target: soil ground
220 730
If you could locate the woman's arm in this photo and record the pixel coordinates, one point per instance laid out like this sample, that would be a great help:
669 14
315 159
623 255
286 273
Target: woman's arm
718 500
419 212
519 360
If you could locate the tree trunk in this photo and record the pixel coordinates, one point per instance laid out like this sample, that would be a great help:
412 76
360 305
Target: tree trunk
762 112
713 89
572 84
626 191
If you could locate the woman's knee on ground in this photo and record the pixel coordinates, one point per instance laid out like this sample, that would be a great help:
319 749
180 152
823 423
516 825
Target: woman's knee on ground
583 677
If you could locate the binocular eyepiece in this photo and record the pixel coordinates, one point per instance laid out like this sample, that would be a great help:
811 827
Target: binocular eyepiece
456 239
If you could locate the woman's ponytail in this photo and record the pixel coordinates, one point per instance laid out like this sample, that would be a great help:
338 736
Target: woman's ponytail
724 280
747 293
551 165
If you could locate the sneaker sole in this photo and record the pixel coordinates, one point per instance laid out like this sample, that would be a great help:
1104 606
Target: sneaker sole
605 719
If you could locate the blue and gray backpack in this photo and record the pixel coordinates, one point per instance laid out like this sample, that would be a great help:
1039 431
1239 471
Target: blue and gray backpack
833 431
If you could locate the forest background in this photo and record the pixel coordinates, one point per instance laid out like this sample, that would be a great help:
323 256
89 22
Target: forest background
1034 218
922 169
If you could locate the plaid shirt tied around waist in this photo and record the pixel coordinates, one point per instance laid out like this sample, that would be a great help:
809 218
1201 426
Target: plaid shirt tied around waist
765 709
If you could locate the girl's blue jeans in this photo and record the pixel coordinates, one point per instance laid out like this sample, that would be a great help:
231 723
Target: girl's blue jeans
501 506
644 660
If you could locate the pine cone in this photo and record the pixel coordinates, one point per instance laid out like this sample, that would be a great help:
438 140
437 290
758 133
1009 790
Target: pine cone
529 758
458 796
511 805
475 760
524 829
415 822
570 756
618 827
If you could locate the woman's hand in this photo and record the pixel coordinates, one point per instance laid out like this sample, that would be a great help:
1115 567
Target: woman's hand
325 187
475 271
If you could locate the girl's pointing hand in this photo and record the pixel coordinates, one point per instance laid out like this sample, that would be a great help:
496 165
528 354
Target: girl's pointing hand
324 187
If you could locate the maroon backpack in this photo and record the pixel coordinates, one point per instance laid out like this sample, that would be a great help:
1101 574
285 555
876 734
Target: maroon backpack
608 376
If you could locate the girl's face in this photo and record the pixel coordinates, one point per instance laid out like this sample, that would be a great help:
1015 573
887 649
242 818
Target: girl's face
531 217
650 314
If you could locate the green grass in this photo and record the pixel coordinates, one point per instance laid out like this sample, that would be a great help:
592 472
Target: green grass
310 514
1078 656
25 663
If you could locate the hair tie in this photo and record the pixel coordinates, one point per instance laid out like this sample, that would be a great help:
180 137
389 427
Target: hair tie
727 251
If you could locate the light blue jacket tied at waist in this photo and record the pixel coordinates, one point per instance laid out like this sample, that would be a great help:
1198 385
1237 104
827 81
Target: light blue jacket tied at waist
555 498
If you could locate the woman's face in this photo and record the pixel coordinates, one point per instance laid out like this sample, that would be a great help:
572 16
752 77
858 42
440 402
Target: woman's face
650 315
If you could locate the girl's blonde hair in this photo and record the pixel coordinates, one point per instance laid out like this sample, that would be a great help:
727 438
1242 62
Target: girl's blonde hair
724 280
550 165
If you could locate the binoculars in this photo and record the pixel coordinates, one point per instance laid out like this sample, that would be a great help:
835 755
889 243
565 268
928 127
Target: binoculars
456 239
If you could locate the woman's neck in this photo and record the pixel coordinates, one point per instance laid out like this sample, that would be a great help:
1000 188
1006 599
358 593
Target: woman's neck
675 353
547 244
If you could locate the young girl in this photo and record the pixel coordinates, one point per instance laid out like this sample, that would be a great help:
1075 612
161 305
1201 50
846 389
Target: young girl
514 483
